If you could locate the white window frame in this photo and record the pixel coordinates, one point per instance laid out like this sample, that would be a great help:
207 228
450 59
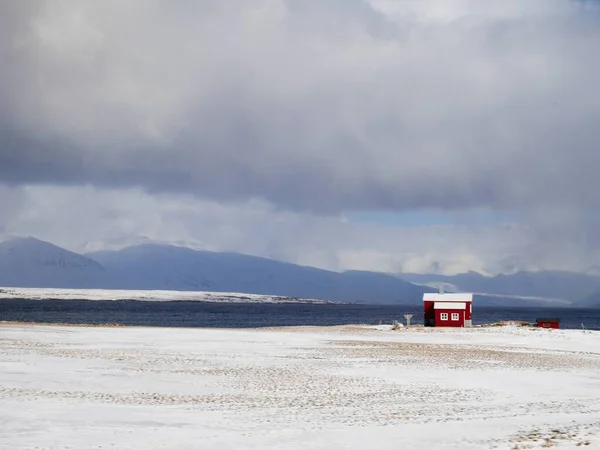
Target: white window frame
455 317
443 316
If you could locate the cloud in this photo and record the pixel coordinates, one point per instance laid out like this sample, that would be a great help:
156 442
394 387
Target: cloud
88 219
308 105
261 126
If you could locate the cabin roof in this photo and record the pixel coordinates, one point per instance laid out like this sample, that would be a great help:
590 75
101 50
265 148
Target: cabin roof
455 297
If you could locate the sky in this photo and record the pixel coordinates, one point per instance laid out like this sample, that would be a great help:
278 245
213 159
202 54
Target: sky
392 135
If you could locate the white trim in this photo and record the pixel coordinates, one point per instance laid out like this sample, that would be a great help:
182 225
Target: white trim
448 305
447 297
444 317
455 317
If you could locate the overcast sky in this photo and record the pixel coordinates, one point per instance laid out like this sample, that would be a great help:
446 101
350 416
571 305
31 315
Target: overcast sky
391 135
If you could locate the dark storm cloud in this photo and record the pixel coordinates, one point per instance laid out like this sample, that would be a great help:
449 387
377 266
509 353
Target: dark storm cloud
309 104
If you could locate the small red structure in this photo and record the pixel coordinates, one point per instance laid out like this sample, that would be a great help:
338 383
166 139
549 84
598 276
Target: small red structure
548 323
448 310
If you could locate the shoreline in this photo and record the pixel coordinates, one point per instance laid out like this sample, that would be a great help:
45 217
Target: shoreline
343 386
350 327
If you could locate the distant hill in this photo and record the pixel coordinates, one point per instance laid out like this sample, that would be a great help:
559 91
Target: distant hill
168 267
589 301
29 262
546 284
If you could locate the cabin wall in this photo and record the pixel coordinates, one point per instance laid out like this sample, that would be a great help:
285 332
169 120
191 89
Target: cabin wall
429 314
554 325
449 321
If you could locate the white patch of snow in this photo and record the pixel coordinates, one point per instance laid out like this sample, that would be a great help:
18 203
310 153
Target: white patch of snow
308 388
379 327
150 295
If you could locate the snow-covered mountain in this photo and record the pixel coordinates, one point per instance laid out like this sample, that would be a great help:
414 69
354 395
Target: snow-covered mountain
29 262
169 267
131 240
546 284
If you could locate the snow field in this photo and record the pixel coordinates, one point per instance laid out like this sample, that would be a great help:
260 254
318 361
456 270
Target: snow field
145 295
322 388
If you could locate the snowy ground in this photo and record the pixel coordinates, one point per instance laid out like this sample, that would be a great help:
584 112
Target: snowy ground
114 294
302 388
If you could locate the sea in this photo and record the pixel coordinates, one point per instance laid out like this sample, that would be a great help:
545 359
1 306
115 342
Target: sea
254 315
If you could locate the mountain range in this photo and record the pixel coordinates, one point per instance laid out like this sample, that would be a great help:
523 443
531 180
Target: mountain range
576 288
30 262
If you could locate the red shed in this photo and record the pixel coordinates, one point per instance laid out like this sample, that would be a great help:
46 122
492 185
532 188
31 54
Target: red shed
448 310
548 323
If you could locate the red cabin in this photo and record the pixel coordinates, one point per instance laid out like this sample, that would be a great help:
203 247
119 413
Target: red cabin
448 310
548 323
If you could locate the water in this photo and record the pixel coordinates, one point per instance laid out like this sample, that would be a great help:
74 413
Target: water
236 315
